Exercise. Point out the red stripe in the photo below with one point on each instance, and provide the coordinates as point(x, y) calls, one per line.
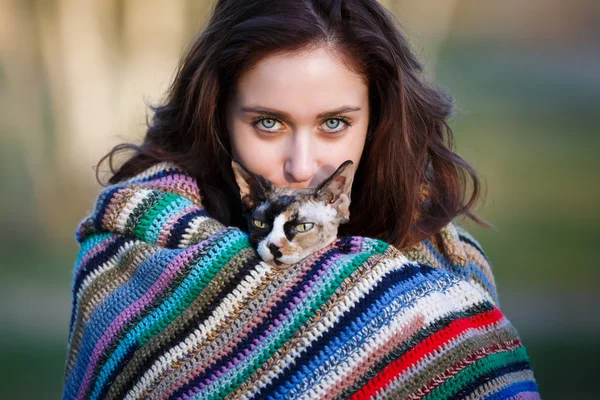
point(483, 352)
point(423, 349)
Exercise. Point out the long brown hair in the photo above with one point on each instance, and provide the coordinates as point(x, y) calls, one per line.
point(409, 183)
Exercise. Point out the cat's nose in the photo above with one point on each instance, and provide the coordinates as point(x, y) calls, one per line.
point(274, 250)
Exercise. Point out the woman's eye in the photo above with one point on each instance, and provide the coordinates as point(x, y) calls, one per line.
point(258, 223)
point(304, 227)
point(267, 124)
point(337, 124)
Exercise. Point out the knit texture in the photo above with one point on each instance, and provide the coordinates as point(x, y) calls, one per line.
point(168, 303)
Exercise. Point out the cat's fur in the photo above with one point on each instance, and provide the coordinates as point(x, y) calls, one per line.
point(281, 210)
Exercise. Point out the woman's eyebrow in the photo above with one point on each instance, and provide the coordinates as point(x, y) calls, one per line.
point(285, 115)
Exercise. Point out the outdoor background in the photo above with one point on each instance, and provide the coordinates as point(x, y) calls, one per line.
point(74, 79)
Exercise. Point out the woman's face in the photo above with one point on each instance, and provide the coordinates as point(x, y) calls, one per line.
point(296, 117)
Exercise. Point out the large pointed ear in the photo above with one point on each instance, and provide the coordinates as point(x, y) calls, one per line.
point(253, 187)
point(336, 189)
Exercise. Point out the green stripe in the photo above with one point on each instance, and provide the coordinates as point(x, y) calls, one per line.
point(477, 369)
point(138, 212)
point(151, 213)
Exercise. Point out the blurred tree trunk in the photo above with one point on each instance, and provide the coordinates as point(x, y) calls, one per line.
point(426, 25)
point(21, 81)
point(154, 35)
point(80, 65)
point(102, 59)
point(24, 138)
point(78, 40)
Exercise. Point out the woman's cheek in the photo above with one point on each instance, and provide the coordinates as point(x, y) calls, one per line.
point(260, 156)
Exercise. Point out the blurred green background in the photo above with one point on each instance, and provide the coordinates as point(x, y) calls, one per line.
point(74, 79)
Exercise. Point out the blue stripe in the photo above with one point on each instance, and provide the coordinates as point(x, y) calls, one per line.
point(102, 205)
point(513, 390)
point(462, 272)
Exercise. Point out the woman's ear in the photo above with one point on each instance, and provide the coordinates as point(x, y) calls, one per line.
point(253, 187)
point(338, 186)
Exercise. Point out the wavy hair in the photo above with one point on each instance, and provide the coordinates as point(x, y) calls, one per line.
point(409, 183)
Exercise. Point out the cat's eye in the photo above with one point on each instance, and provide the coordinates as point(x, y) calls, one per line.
point(304, 227)
point(258, 223)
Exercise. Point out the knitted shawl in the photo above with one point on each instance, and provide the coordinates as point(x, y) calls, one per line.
point(168, 303)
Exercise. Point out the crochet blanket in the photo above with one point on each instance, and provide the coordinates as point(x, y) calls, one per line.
point(169, 303)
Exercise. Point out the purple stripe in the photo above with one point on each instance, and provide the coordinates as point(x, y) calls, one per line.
point(96, 249)
point(171, 181)
point(527, 396)
point(165, 231)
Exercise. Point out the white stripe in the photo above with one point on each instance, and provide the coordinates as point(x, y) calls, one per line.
point(131, 204)
point(502, 382)
point(105, 267)
point(194, 227)
point(151, 171)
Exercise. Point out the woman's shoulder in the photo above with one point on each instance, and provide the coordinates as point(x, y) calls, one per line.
point(145, 205)
point(454, 250)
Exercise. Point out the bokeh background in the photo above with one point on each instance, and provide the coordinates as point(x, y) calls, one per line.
point(75, 78)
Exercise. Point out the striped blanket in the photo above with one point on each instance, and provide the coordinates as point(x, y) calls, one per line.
point(168, 303)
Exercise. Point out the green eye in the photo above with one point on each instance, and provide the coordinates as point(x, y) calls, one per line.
point(258, 223)
point(304, 227)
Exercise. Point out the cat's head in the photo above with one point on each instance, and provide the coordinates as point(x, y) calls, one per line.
point(285, 224)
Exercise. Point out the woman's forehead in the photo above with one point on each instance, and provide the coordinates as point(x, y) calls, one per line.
point(302, 84)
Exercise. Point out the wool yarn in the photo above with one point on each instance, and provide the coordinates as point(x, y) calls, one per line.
point(168, 303)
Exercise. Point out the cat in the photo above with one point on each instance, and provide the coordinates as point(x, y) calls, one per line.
point(286, 225)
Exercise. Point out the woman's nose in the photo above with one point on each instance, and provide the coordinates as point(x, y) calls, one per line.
point(299, 171)
point(300, 164)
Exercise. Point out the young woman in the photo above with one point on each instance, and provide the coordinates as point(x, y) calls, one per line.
point(171, 301)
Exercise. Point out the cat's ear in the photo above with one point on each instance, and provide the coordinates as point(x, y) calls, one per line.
point(336, 189)
point(253, 187)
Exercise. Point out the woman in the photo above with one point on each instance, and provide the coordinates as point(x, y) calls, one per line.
point(171, 301)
